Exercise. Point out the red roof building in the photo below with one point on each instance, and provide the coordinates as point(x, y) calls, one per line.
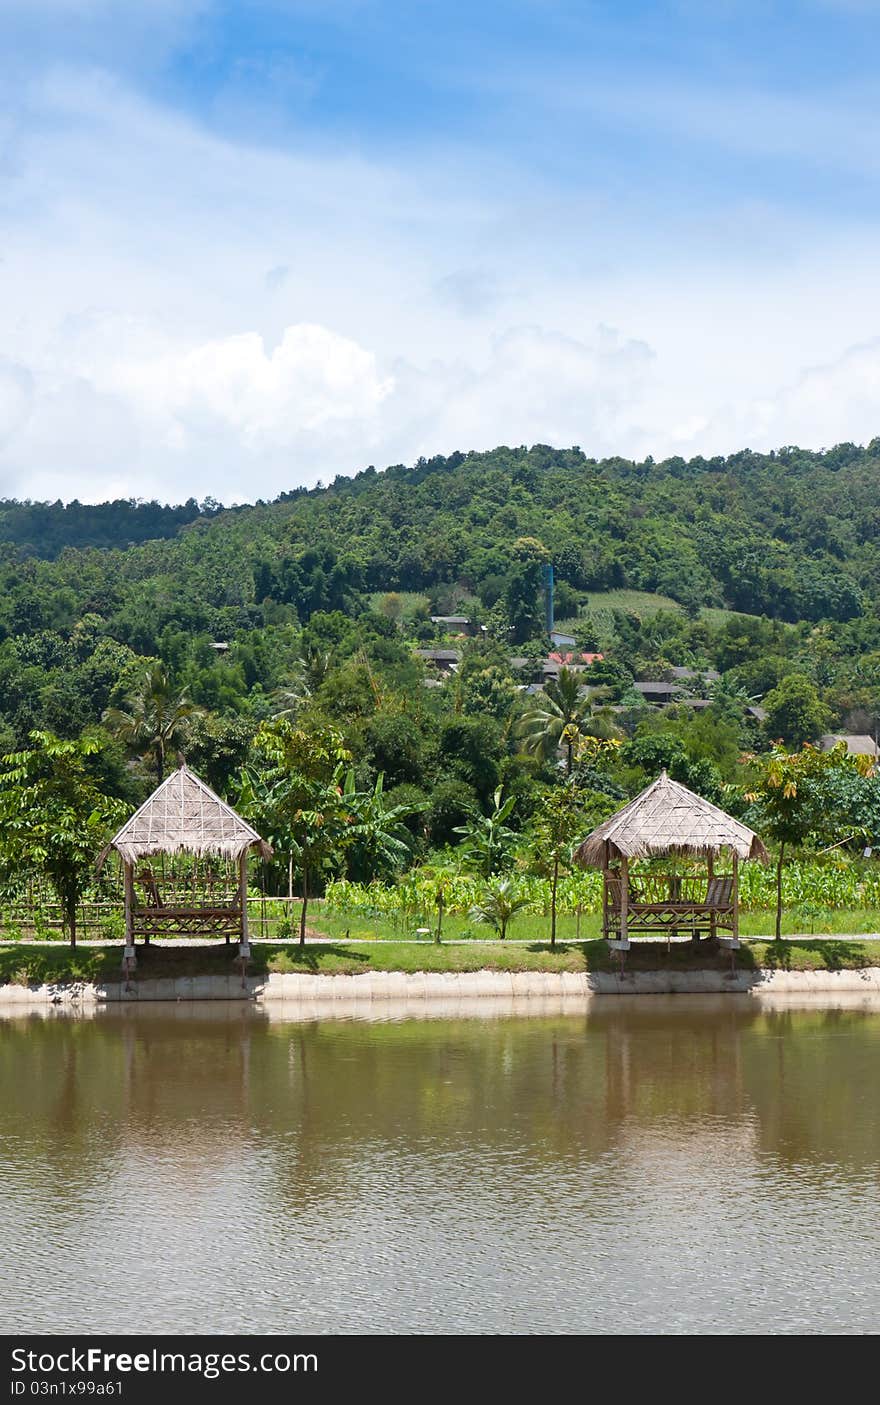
point(569, 660)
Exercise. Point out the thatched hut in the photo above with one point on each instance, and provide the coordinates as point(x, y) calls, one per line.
point(667, 819)
point(184, 816)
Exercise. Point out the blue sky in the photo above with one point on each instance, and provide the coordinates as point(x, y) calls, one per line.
point(248, 245)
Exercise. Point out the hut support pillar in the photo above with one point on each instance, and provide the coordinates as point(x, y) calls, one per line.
point(129, 960)
point(711, 872)
point(244, 949)
point(623, 944)
point(605, 894)
point(128, 889)
point(624, 897)
point(242, 898)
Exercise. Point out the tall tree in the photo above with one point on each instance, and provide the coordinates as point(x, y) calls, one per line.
point(795, 712)
point(54, 817)
point(523, 597)
point(294, 787)
point(799, 796)
point(558, 825)
point(557, 717)
point(155, 723)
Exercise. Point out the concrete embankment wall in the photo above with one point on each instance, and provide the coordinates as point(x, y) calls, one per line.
point(323, 991)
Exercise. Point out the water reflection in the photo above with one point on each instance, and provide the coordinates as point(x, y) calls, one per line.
point(640, 1165)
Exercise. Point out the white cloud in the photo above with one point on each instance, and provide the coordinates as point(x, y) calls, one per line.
point(825, 405)
point(470, 291)
point(535, 386)
point(114, 401)
point(187, 315)
point(16, 390)
point(312, 379)
point(182, 419)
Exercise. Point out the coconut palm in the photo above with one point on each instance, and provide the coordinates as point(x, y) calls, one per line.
point(155, 722)
point(557, 717)
point(501, 900)
point(287, 701)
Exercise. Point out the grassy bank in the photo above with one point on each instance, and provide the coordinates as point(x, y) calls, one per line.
point(25, 964)
point(529, 927)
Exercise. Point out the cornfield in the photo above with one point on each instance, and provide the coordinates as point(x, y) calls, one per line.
point(808, 886)
point(806, 883)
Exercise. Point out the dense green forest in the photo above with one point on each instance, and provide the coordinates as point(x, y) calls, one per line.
point(770, 563)
point(45, 529)
point(757, 577)
point(790, 534)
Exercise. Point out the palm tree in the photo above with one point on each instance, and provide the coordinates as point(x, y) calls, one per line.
point(600, 727)
point(500, 901)
point(557, 717)
point(156, 719)
point(287, 701)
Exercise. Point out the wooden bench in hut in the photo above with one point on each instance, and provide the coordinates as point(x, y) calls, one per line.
point(666, 820)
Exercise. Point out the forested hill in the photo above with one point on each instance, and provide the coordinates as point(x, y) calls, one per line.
point(793, 535)
point(46, 528)
point(763, 569)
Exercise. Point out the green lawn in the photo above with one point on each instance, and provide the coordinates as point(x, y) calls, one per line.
point(37, 964)
point(644, 603)
point(411, 602)
point(635, 602)
point(530, 927)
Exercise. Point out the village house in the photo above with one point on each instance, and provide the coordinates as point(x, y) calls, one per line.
point(444, 660)
point(857, 744)
point(560, 659)
point(659, 694)
point(695, 675)
point(457, 624)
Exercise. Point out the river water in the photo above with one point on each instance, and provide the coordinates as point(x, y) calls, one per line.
point(644, 1164)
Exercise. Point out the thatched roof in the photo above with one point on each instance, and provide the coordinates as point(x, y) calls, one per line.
point(667, 818)
point(183, 815)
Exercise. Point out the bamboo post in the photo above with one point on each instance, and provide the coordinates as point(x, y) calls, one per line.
point(128, 882)
point(605, 903)
point(712, 923)
point(242, 888)
point(605, 893)
point(134, 896)
point(244, 949)
point(736, 897)
point(128, 957)
point(624, 896)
